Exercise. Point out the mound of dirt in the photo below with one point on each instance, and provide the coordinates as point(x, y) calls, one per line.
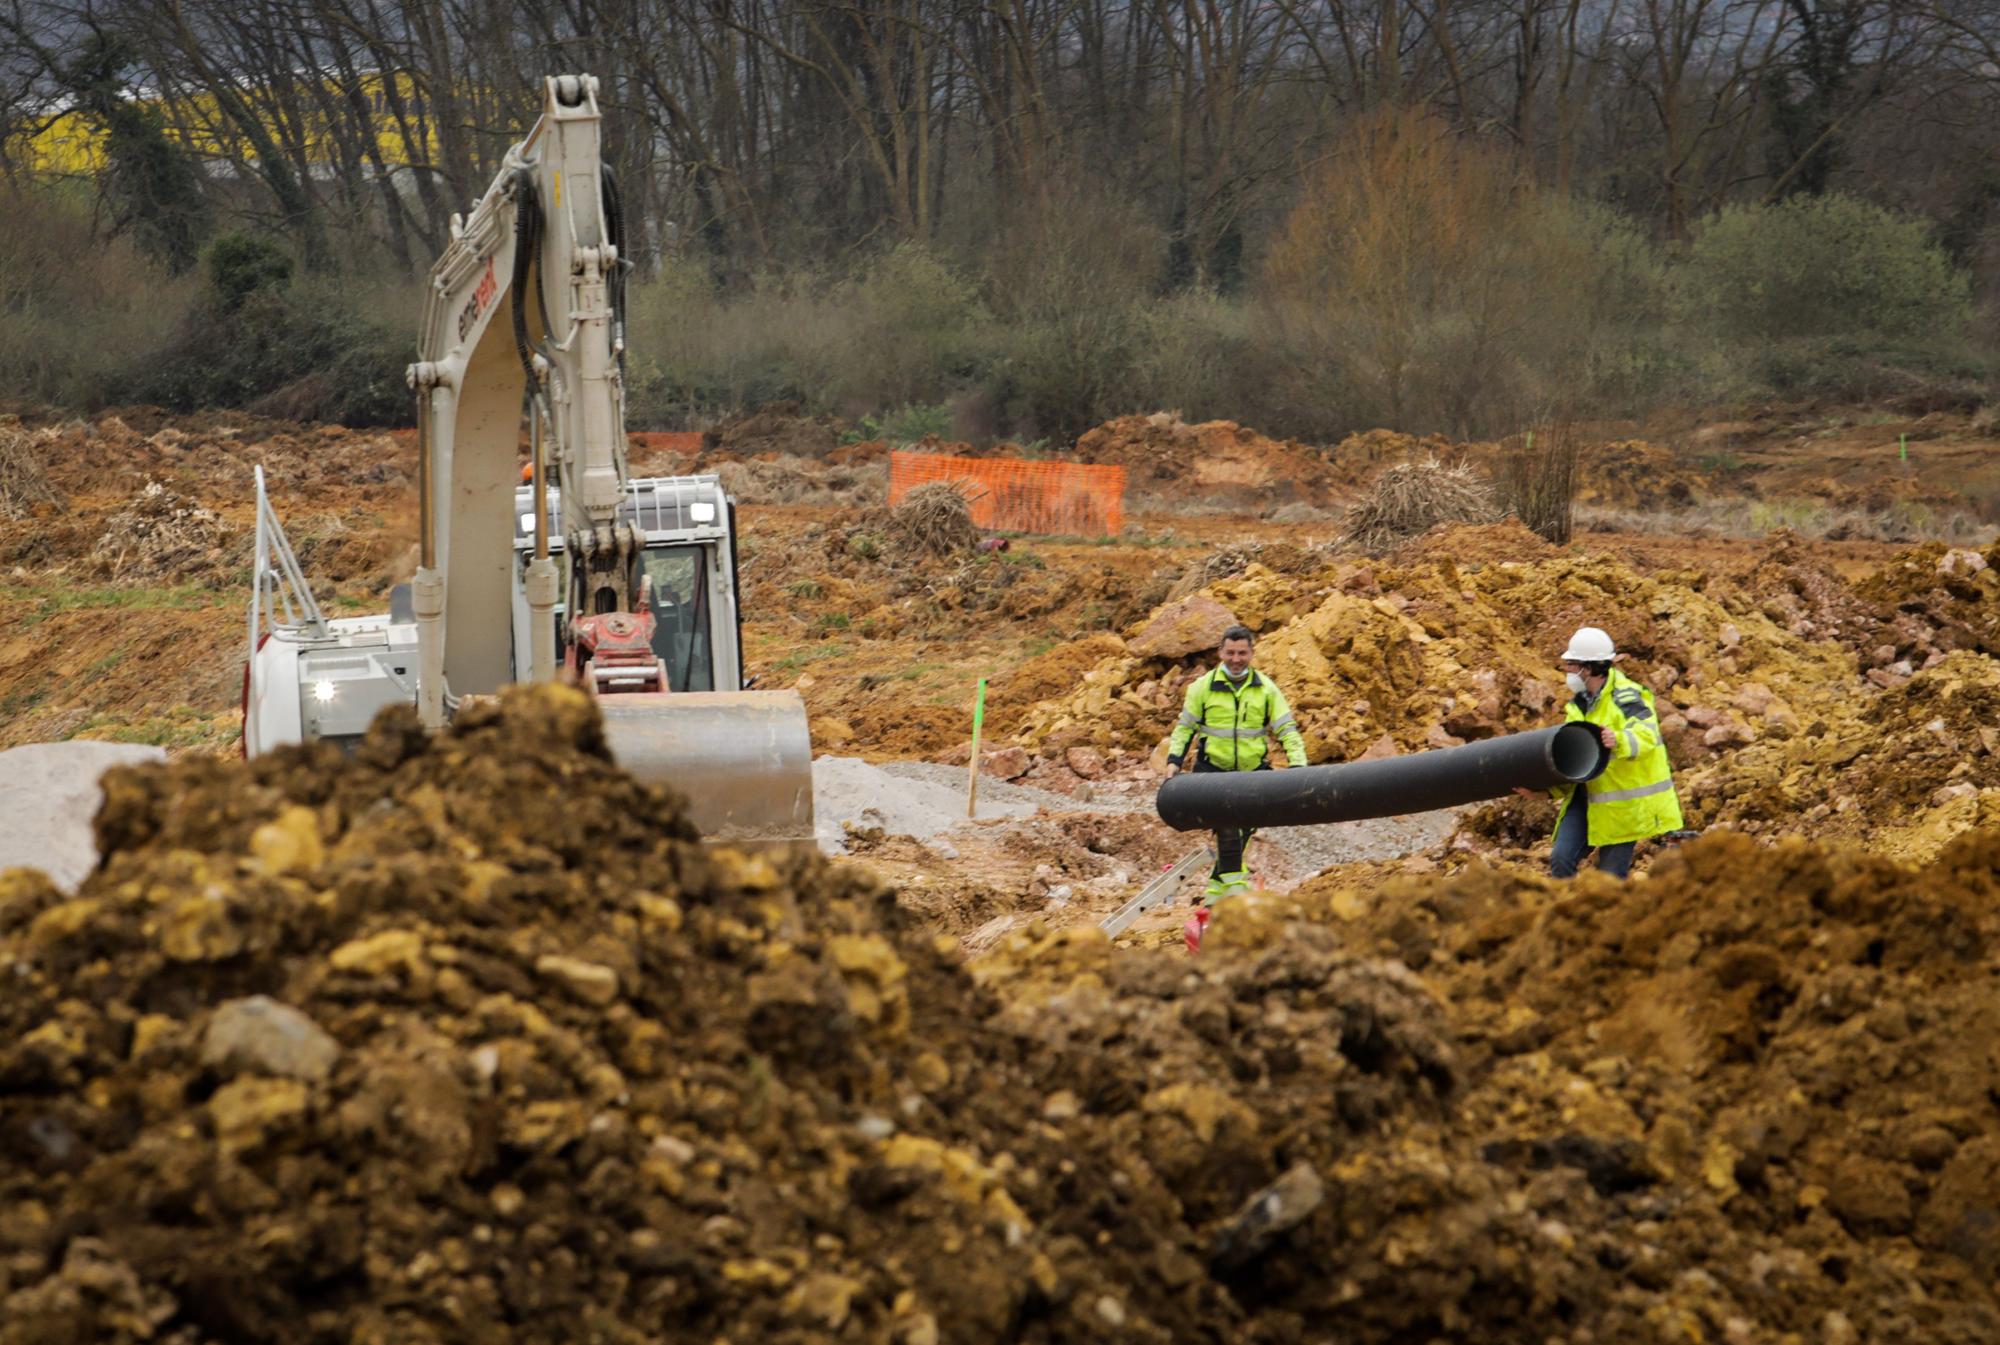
point(1053, 672)
point(1426, 654)
point(1229, 561)
point(1372, 448)
point(798, 480)
point(1903, 772)
point(1171, 463)
point(161, 534)
point(364, 1049)
point(1477, 544)
point(1939, 598)
point(213, 457)
point(1782, 1049)
point(1805, 597)
point(781, 429)
point(1635, 474)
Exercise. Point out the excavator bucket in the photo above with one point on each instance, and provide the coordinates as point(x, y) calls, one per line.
point(742, 758)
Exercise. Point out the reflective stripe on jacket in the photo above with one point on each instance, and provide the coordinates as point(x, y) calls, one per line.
point(1634, 798)
point(1235, 722)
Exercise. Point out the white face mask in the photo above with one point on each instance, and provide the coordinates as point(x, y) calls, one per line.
point(1576, 683)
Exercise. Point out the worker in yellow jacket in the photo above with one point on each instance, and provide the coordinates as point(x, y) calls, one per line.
point(1235, 711)
point(1634, 798)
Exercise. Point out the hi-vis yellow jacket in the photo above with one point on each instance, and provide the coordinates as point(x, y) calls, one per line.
point(1236, 721)
point(1634, 798)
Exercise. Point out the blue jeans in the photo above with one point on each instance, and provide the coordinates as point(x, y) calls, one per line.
point(1573, 843)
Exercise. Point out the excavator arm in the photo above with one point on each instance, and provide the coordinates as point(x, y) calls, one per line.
point(543, 247)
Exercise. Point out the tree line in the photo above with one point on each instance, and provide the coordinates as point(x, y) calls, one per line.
point(764, 131)
point(1024, 216)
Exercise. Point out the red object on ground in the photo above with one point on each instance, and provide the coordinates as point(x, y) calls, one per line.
point(1196, 925)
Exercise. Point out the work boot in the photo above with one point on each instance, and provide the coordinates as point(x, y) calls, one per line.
point(1233, 885)
point(1215, 890)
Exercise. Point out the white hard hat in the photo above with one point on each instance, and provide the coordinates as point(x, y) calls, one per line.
point(1589, 645)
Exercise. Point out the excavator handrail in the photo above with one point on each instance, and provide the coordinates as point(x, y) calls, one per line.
point(276, 580)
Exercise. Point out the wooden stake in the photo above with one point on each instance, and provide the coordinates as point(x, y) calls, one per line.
point(978, 720)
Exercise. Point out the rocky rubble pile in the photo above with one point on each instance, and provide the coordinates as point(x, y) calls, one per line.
point(1934, 599)
point(1787, 696)
point(364, 1050)
point(1775, 1060)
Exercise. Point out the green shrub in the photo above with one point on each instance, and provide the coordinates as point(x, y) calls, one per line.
point(902, 330)
point(300, 353)
point(1069, 277)
point(242, 264)
point(1944, 372)
point(1817, 267)
point(68, 327)
point(1197, 357)
point(907, 424)
point(694, 354)
point(905, 329)
point(1424, 281)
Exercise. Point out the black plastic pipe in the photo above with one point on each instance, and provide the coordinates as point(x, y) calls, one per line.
point(1308, 795)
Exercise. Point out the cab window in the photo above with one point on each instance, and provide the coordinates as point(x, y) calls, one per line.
point(681, 615)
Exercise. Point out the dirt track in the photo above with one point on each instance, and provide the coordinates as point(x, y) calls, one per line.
point(514, 1081)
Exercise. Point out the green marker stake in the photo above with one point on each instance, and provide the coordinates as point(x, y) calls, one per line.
point(978, 721)
point(1903, 440)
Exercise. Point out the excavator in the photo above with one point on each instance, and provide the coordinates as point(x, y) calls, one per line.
point(625, 586)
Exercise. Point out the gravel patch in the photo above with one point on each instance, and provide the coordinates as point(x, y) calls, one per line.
point(848, 791)
point(1314, 848)
point(953, 777)
point(924, 799)
point(48, 800)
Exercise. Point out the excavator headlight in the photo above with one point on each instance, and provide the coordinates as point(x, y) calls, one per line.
point(323, 690)
point(701, 511)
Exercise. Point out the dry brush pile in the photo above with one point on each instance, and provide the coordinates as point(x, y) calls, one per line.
point(1412, 497)
point(24, 481)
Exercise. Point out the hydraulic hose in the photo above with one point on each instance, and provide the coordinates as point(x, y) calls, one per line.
point(1308, 795)
point(614, 213)
point(527, 246)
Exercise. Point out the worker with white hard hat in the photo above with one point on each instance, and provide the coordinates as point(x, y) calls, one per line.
point(1633, 798)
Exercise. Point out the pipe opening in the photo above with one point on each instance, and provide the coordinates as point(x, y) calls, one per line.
point(1576, 753)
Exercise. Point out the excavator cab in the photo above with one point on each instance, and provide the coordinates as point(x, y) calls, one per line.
point(743, 759)
point(689, 563)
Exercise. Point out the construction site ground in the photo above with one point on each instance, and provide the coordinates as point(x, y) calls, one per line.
point(1412, 1090)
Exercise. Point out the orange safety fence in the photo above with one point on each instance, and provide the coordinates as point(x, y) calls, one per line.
point(1010, 495)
